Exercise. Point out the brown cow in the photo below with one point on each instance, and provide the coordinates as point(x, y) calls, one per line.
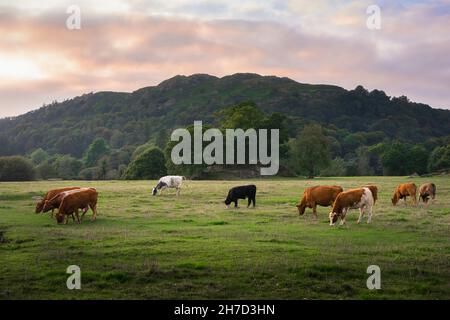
point(319, 195)
point(75, 200)
point(404, 190)
point(360, 198)
point(426, 191)
point(55, 202)
point(50, 194)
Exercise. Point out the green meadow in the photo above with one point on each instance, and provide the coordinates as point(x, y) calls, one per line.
point(192, 247)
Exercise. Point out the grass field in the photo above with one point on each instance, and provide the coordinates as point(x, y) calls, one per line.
point(144, 247)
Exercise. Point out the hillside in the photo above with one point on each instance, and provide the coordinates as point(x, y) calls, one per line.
point(133, 118)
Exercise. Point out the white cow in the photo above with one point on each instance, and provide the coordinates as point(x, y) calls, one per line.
point(169, 182)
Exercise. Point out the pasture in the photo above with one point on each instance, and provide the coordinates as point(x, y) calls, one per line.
point(192, 247)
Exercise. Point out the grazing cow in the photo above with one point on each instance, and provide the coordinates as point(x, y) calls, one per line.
point(169, 182)
point(241, 192)
point(360, 198)
point(319, 195)
point(50, 194)
point(55, 202)
point(404, 190)
point(75, 200)
point(426, 191)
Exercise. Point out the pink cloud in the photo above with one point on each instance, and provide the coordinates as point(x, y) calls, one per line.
point(124, 53)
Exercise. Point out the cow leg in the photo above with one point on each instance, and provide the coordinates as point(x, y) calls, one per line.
point(78, 216)
point(67, 219)
point(315, 211)
point(254, 201)
point(178, 192)
point(94, 210)
point(249, 202)
point(235, 203)
point(369, 214)
point(344, 213)
point(361, 214)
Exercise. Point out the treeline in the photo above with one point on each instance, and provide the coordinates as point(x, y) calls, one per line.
point(306, 149)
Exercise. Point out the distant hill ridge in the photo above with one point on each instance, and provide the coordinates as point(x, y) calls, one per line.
point(133, 118)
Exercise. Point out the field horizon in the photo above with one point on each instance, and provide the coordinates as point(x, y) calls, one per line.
point(192, 247)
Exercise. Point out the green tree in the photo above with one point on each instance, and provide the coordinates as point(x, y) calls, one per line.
point(39, 156)
point(310, 151)
point(395, 159)
point(337, 168)
point(67, 167)
point(150, 164)
point(439, 158)
point(46, 171)
point(95, 151)
point(244, 116)
point(418, 160)
point(16, 168)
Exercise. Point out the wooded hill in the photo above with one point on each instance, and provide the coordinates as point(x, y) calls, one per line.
point(150, 113)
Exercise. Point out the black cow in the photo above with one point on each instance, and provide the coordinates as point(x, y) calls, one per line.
point(241, 192)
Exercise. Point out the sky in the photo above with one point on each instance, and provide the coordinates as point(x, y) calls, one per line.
point(123, 45)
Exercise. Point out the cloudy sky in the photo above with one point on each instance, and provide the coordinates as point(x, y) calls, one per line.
point(127, 44)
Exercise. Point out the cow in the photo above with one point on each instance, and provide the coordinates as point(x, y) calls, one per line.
point(241, 192)
point(426, 191)
point(318, 195)
point(404, 190)
point(55, 202)
point(169, 182)
point(50, 194)
point(75, 200)
point(360, 198)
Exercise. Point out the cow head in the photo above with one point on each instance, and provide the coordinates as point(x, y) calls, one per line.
point(154, 191)
point(301, 208)
point(39, 206)
point(394, 199)
point(333, 218)
point(59, 218)
point(227, 202)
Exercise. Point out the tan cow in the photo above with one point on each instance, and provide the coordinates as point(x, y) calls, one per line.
point(360, 198)
point(49, 195)
point(404, 190)
point(319, 195)
point(75, 200)
point(426, 191)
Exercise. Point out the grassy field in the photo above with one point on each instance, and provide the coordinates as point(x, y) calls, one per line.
point(144, 247)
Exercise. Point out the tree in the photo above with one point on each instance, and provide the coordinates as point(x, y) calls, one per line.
point(439, 158)
point(244, 116)
point(310, 151)
point(337, 168)
point(418, 160)
point(16, 168)
point(95, 151)
point(45, 171)
point(68, 167)
point(394, 159)
point(150, 164)
point(39, 156)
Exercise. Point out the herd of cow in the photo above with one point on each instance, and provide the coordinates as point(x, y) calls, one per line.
point(70, 200)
